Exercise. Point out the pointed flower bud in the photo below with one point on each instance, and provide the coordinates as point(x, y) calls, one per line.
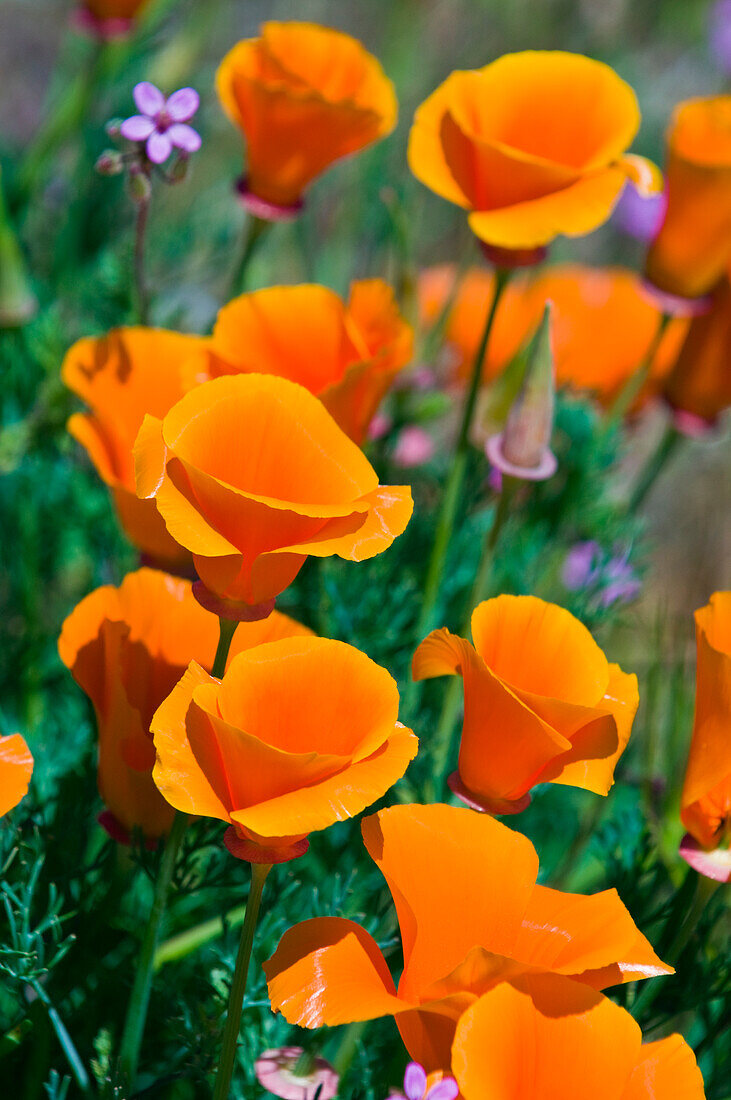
point(522, 449)
point(110, 163)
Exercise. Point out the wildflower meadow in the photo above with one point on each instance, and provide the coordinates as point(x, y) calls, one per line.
point(365, 550)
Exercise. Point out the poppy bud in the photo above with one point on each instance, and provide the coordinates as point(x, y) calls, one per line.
point(522, 448)
point(110, 163)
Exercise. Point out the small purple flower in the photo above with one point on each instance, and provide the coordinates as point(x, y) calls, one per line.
point(612, 580)
point(720, 34)
point(640, 216)
point(580, 566)
point(161, 122)
point(414, 447)
point(619, 583)
point(416, 1081)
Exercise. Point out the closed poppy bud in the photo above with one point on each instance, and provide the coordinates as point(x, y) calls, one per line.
point(347, 354)
point(542, 703)
point(121, 377)
point(522, 448)
point(303, 96)
point(603, 321)
point(442, 863)
point(706, 799)
point(533, 145)
point(699, 386)
point(693, 248)
point(299, 734)
point(126, 648)
point(251, 474)
point(577, 1042)
point(16, 768)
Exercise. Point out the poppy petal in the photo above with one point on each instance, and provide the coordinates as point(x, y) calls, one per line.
point(591, 936)
point(337, 798)
point(330, 971)
point(566, 663)
point(574, 211)
point(492, 766)
point(645, 176)
point(666, 1070)
point(428, 856)
point(177, 773)
point(16, 768)
point(544, 1036)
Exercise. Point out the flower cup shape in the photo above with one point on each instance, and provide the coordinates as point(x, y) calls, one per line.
point(545, 1037)
point(303, 97)
point(252, 474)
point(16, 768)
point(440, 862)
point(162, 123)
point(533, 145)
point(298, 734)
point(706, 800)
point(602, 324)
point(347, 354)
point(699, 385)
point(542, 703)
point(126, 648)
point(121, 377)
point(693, 248)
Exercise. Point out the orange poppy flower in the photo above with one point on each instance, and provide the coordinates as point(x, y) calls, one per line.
point(304, 96)
point(700, 382)
point(533, 145)
point(602, 323)
point(252, 474)
point(693, 248)
point(445, 868)
point(121, 377)
point(346, 354)
point(300, 733)
point(16, 768)
point(541, 1037)
point(706, 800)
point(126, 648)
point(542, 703)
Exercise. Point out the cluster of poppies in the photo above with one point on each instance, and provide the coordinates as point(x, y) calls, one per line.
point(232, 458)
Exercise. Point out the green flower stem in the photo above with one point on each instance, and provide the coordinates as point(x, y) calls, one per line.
point(67, 1045)
point(686, 921)
point(654, 466)
point(134, 1024)
point(141, 290)
point(453, 490)
point(255, 230)
point(259, 872)
point(628, 394)
point(453, 694)
point(227, 629)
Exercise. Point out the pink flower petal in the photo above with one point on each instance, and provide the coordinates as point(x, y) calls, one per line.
point(414, 1081)
point(182, 105)
point(159, 147)
point(184, 137)
point(715, 864)
point(446, 1089)
point(137, 128)
point(148, 98)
